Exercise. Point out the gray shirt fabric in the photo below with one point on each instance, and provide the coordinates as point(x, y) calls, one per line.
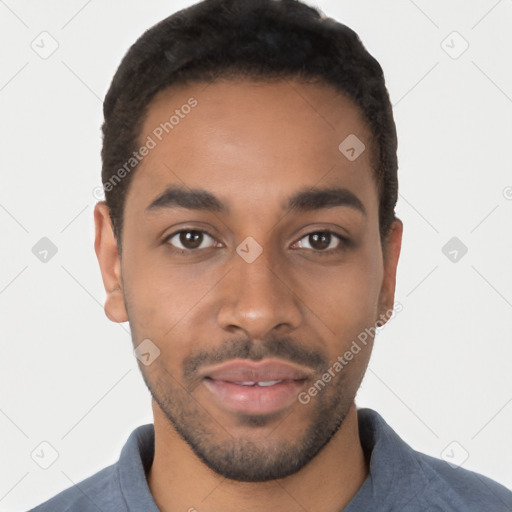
point(400, 480)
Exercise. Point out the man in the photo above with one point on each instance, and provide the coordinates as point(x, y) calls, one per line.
point(249, 237)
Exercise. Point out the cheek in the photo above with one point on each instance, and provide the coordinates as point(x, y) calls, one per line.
point(344, 297)
point(162, 299)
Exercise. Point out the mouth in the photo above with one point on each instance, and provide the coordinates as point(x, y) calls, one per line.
point(261, 397)
point(255, 388)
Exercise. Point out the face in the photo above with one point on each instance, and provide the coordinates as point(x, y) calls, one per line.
point(251, 262)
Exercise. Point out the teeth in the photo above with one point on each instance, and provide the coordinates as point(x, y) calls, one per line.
point(259, 383)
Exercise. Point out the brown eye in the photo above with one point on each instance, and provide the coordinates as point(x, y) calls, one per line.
point(190, 239)
point(320, 241)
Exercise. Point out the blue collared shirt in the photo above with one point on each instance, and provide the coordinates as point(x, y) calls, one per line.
point(399, 480)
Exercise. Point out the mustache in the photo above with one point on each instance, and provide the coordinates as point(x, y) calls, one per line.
point(245, 348)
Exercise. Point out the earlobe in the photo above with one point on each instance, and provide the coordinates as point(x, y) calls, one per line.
point(392, 247)
point(105, 246)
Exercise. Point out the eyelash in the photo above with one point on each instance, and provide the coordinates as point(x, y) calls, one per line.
point(344, 242)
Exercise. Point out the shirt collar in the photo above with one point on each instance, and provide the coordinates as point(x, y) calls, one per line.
point(395, 475)
point(134, 463)
point(393, 465)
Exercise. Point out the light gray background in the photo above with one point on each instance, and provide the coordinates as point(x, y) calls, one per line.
point(441, 368)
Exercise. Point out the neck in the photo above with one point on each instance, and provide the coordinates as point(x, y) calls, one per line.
point(179, 481)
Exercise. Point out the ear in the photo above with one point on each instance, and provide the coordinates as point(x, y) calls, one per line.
point(391, 253)
point(105, 245)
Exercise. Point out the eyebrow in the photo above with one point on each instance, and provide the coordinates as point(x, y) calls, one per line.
point(307, 199)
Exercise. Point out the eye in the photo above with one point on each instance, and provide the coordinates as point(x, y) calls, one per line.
point(189, 239)
point(323, 241)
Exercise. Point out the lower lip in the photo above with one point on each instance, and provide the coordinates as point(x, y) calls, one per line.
point(255, 399)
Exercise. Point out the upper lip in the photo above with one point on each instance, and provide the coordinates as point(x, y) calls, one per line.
point(248, 371)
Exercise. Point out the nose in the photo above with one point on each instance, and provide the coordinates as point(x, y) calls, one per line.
point(258, 298)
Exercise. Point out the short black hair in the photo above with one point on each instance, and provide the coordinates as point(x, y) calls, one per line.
point(248, 39)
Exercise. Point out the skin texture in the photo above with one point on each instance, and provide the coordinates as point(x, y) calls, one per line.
point(252, 145)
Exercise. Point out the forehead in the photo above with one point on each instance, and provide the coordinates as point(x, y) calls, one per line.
point(253, 142)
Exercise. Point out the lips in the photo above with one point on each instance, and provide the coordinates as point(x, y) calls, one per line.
point(255, 388)
point(251, 372)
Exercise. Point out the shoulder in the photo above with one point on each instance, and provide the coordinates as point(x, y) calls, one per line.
point(456, 488)
point(114, 486)
point(99, 491)
point(411, 481)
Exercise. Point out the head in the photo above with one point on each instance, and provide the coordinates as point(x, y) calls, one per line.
point(250, 173)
